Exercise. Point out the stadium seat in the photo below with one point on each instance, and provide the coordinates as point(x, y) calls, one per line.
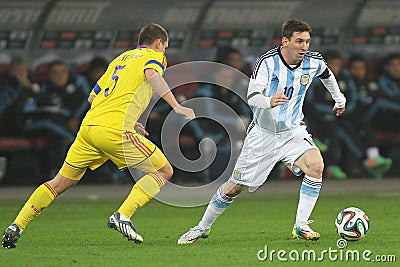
point(15, 144)
point(24, 164)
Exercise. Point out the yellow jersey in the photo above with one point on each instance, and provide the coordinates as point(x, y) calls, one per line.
point(122, 93)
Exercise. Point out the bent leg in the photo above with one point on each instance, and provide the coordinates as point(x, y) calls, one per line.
point(221, 200)
point(147, 187)
point(42, 197)
point(312, 165)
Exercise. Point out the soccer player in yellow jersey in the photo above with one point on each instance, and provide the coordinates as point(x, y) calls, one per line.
point(110, 131)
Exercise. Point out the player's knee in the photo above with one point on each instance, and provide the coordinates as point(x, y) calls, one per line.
point(233, 191)
point(167, 171)
point(315, 169)
point(59, 183)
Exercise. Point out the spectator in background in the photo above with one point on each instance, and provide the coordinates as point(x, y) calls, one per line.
point(366, 88)
point(232, 57)
point(352, 133)
point(385, 111)
point(61, 104)
point(17, 96)
point(206, 128)
point(229, 56)
point(356, 132)
point(228, 90)
point(65, 92)
point(226, 95)
point(96, 68)
point(322, 121)
point(232, 94)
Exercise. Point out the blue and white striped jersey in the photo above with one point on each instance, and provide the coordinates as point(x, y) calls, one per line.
point(272, 75)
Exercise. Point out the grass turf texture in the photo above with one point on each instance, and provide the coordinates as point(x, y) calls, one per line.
point(74, 233)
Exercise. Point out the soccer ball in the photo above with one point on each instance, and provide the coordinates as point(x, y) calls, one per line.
point(352, 224)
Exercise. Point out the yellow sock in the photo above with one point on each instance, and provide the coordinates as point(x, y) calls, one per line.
point(40, 199)
point(142, 192)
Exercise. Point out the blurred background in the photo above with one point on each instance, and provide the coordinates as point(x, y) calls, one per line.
point(52, 53)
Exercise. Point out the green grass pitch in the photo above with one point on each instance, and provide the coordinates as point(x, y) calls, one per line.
point(74, 233)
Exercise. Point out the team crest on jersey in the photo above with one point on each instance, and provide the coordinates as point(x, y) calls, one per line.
point(304, 79)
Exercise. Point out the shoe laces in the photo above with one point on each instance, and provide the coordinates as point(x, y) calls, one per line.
point(194, 232)
point(120, 221)
point(307, 228)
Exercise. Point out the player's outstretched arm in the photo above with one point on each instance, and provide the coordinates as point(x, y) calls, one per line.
point(329, 81)
point(188, 113)
point(160, 86)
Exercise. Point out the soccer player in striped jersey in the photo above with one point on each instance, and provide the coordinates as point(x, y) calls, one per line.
point(276, 94)
point(110, 131)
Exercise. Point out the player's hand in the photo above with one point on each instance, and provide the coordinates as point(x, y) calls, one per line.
point(23, 79)
point(139, 128)
point(338, 111)
point(278, 99)
point(188, 113)
point(91, 98)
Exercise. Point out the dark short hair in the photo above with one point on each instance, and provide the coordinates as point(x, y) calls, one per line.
point(355, 58)
point(332, 54)
point(151, 32)
point(294, 25)
point(15, 63)
point(223, 53)
point(97, 63)
point(392, 56)
point(56, 62)
point(387, 60)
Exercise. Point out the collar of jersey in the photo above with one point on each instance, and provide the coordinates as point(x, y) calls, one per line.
point(284, 62)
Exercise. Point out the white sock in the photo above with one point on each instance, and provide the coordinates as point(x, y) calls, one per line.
point(309, 192)
point(372, 152)
point(216, 207)
point(123, 218)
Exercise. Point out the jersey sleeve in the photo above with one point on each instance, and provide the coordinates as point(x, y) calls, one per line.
point(258, 84)
point(157, 61)
point(328, 79)
point(322, 68)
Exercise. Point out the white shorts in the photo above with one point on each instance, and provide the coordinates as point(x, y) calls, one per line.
point(262, 149)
